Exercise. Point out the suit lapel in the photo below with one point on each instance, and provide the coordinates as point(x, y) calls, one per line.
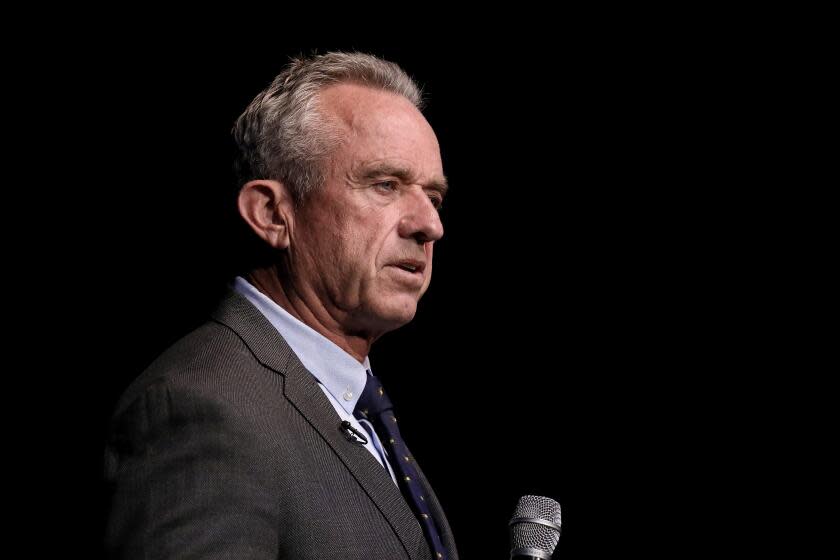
point(314, 406)
point(302, 391)
point(438, 515)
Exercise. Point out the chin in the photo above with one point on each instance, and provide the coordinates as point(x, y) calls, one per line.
point(397, 313)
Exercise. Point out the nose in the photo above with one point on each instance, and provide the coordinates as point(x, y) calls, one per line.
point(420, 219)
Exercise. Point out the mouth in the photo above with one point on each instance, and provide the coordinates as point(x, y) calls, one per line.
point(411, 265)
point(411, 271)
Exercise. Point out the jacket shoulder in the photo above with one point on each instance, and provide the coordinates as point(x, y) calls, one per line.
point(212, 359)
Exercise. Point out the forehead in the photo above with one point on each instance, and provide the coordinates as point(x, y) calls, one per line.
point(381, 126)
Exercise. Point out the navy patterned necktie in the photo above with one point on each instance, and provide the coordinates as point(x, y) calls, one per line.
point(375, 407)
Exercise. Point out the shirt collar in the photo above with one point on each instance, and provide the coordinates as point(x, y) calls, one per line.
point(342, 375)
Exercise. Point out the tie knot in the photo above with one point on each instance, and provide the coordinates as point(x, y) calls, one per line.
point(373, 401)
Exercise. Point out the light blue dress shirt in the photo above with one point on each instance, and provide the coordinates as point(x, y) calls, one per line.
point(340, 375)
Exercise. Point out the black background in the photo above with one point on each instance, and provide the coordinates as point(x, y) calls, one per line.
point(574, 331)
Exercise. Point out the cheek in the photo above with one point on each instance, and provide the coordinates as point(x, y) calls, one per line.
point(356, 259)
point(363, 247)
point(378, 247)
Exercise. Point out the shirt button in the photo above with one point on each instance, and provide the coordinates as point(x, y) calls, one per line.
point(348, 395)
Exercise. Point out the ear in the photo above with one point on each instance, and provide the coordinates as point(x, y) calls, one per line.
point(266, 206)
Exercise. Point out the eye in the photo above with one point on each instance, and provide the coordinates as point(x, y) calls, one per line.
point(437, 200)
point(385, 185)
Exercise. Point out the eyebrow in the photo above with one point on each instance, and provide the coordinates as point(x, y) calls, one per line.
point(404, 174)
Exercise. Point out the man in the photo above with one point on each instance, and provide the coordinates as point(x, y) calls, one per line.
point(246, 439)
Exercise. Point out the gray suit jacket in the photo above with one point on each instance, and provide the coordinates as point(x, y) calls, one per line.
point(225, 447)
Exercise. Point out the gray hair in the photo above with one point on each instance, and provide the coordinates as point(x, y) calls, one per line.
point(283, 136)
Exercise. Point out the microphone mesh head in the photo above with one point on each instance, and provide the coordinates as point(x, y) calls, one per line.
point(530, 535)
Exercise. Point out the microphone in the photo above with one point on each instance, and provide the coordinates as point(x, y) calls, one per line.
point(351, 433)
point(534, 528)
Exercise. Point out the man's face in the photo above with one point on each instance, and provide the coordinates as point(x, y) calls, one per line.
point(363, 243)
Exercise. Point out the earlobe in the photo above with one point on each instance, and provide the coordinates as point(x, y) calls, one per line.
point(266, 207)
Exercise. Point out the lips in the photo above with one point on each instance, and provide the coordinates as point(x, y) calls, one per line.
point(410, 271)
point(411, 265)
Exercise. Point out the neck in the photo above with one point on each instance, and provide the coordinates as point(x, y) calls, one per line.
point(309, 310)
